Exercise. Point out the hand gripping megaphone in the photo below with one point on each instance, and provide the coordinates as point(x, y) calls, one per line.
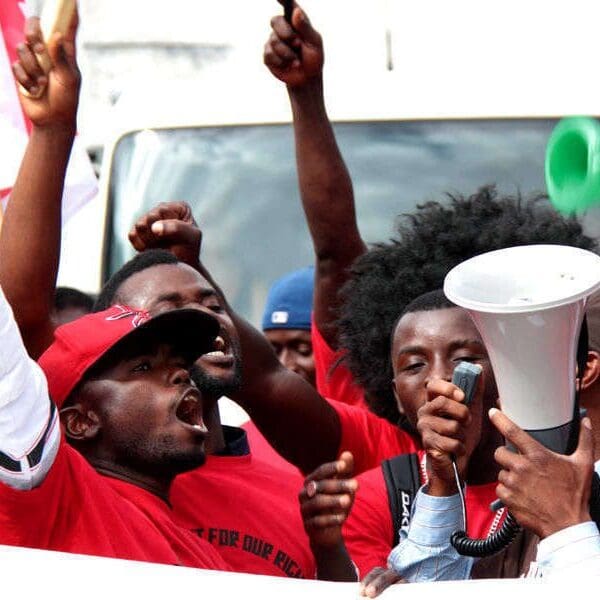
point(528, 304)
point(572, 165)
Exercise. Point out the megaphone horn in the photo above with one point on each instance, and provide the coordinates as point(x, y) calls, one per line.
point(528, 303)
point(572, 166)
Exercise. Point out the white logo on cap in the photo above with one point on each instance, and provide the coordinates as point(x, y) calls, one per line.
point(123, 312)
point(280, 317)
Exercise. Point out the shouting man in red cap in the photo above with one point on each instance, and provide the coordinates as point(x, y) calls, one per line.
point(133, 419)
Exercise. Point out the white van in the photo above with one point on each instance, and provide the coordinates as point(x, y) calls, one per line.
point(471, 100)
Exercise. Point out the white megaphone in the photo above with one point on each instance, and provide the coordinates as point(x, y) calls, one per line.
point(528, 303)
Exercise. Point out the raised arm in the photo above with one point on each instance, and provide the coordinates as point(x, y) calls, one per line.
point(30, 236)
point(296, 421)
point(295, 56)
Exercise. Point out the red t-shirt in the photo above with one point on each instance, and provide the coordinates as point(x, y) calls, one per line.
point(334, 380)
point(250, 512)
point(370, 438)
point(369, 533)
point(78, 510)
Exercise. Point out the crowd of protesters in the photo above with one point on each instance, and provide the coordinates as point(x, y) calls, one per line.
point(111, 442)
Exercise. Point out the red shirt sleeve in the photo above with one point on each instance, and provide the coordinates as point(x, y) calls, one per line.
point(334, 380)
point(368, 530)
point(370, 438)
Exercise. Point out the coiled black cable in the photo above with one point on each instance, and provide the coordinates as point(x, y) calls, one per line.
point(479, 548)
point(467, 546)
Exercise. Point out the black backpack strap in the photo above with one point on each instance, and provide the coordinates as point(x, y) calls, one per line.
point(402, 481)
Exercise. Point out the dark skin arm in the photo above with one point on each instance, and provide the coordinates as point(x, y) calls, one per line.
point(545, 491)
point(325, 503)
point(289, 412)
point(295, 56)
point(298, 423)
point(30, 236)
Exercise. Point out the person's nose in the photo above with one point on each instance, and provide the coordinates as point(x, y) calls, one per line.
point(179, 376)
point(441, 369)
point(288, 360)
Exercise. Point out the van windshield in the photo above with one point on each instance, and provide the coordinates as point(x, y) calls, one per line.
point(241, 182)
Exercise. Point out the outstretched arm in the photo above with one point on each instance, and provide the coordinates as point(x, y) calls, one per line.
point(289, 412)
point(296, 421)
point(294, 54)
point(30, 236)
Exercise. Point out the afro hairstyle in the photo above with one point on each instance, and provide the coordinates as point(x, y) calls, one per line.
point(427, 244)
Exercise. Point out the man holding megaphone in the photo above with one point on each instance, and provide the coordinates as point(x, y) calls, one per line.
point(528, 304)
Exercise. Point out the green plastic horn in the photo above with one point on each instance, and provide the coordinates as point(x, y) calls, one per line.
point(573, 164)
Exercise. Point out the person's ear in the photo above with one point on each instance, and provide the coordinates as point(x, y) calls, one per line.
point(592, 370)
point(80, 423)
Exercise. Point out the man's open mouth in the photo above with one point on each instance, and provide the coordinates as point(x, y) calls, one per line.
point(221, 352)
point(189, 409)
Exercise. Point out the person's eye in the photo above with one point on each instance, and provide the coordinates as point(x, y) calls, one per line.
point(467, 358)
point(414, 367)
point(142, 366)
point(211, 303)
point(305, 349)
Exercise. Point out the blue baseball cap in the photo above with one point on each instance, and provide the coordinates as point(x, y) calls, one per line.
point(289, 302)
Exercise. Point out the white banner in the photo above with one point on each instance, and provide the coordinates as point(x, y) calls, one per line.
point(58, 576)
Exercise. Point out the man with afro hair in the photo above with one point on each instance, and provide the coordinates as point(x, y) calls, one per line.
point(427, 244)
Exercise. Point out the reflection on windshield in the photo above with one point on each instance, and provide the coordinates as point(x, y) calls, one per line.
point(241, 183)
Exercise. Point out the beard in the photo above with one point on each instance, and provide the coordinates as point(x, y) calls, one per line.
point(216, 387)
point(163, 456)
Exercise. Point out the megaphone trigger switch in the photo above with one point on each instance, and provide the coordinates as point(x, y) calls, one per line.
point(466, 376)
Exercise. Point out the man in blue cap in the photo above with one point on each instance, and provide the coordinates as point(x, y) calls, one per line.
point(286, 321)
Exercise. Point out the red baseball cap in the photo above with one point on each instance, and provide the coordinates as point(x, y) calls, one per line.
point(80, 344)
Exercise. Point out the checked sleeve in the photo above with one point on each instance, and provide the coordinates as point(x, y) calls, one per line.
point(425, 553)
